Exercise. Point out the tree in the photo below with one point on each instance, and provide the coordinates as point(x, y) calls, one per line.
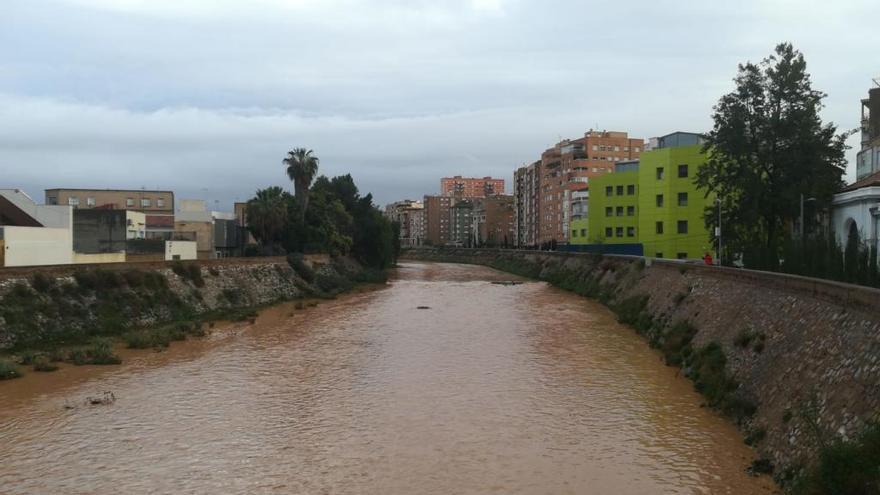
point(302, 166)
point(768, 146)
point(267, 215)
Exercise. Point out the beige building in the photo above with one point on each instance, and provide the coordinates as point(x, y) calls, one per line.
point(157, 206)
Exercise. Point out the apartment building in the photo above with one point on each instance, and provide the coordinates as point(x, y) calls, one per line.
point(461, 221)
point(410, 215)
point(526, 214)
point(436, 219)
point(471, 187)
point(566, 172)
point(493, 221)
point(653, 203)
point(157, 206)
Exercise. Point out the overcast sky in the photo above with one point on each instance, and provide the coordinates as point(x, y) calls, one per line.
point(205, 96)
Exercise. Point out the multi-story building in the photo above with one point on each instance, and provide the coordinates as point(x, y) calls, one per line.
point(461, 219)
point(410, 215)
point(216, 233)
point(471, 187)
point(436, 219)
point(566, 172)
point(157, 206)
point(526, 213)
point(493, 221)
point(614, 209)
point(653, 203)
point(868, 157)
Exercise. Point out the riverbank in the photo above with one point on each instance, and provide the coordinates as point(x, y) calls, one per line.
point(79, 315)
point(793, 361)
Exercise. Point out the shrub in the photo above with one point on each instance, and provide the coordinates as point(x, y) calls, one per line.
point(43, 364)
point(676, 344)
point(189, 271)
point(371, 276)
point(100, 351)
point(681, 296)
point(755, 435)
point(26, 358)
point(743, 338)
point(845, 467)
point(233, 295)
point(332, 283)
point(8, 370)
point(42, 283)
point(709, 373)
point(213, 271)
point(298, 263)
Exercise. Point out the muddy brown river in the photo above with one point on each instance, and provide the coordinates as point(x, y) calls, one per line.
point(493, 389)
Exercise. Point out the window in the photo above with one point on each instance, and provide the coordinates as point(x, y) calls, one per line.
point(583, 232)
point(609, 211)
point(681, 256)
point(145, 203)
point(630, 231)
point(620, 211)
point(630, 211)
point(52, 200)
point(618, 231)
point(658, 255)
point(129, 201)
point(636, 149)
point(658, 228)
point(595, 148)
point(160, 203)
point(574, 233)
point(626, 148)
point(90, 201)
point(620, 190)
point(682, 170)
point(630, 190)
point(609, 191)
point(608, 232)
point(659, 173)
point(682, 199)
point(682, 226)
point(73, 201)
point(617, 148)
point(659, 201)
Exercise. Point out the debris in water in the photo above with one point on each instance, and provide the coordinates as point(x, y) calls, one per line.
point(107, 399)
point(506, 282)
point(423, 307)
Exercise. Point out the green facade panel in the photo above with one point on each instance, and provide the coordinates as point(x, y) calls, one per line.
point(614, 209)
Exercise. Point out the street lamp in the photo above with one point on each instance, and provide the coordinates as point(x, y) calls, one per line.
point(802, 214)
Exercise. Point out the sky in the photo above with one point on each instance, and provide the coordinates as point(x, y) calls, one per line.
point(205, 97)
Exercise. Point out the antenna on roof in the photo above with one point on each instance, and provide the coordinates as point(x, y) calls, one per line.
point(876, 81)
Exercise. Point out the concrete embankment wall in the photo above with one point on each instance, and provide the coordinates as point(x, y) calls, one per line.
point(65, 304)
point(811, 363)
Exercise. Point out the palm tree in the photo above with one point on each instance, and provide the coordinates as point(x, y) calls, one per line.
point(267, 215)
point(301, 168)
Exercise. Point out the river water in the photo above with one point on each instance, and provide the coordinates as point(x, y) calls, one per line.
point(493, 389)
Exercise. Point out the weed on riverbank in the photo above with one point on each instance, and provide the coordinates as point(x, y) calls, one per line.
point(845, 467)
point(8, 370)
point(100, 351)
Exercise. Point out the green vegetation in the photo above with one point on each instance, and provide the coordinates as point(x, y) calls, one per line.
point(8, 370)
point(768, 149)
point(189, 271)
point(44, 364)
point(845, 467)
point(298, 263)
point(161, 337)
point(99, 351)
point(328, 216)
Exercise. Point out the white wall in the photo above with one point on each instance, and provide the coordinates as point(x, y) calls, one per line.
point(31, 246)
point(855, 206)
point(186, 250)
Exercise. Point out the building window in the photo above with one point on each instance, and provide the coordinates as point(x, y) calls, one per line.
point(618, 231)
point(90, 201)
point(659, 201)
point(682, 226)
point(658, 255)
point(630, 211)
point(626, 148)
point(620, 211)
point(574, 233)
point(658, 228)
point(620, 190)
point(617, 148)
point(608, 232)
point(160, 203)
point(631, 190)
point(636, 149)
point(659, 173)
point(681, 256)
point(630, 231)
point(595, 148)
point(583, 232)
point(129, 201)
point(146, 203)
point(682, 170)
point(609, 191)
point(609, 211)
point(682, 199)
point(73, 201)
point(51, 200)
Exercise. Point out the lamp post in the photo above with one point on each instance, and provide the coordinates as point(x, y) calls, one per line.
point(718, 232)
point(803, 231)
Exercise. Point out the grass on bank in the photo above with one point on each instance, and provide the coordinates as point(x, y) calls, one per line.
point(8, 370)
point(845, 467)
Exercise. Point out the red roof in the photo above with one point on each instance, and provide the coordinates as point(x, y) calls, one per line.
point(869, 181)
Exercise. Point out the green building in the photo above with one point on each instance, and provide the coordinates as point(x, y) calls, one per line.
point(653, 202)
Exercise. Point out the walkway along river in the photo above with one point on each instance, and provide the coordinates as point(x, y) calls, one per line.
point(492, 389)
